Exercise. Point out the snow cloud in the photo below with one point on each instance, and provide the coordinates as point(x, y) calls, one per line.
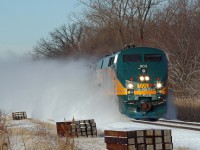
point(50, 89)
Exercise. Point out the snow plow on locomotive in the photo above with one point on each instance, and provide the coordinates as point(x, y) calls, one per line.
point(138, 77)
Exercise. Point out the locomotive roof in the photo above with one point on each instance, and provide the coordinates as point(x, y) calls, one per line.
point(141, 49)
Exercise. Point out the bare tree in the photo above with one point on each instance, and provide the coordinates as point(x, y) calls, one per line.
point(177, 32)
point(127, 17)
point(63, 41)
point(110, 24)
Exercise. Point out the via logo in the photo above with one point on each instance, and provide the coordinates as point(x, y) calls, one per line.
point(142, 85)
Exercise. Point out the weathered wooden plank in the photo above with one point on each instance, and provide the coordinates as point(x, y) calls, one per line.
point(140, 140)
point(63, 128)
point(116, 147)
point(78, 129)
point(116, 140)
point(140, 133)
point(128, 134)
point(158, 140)
point(91, 121)
point(167, 133)
point(120, 147)
point(131, 141)
point(83, 133)
point(168, 146)
point(86, 121)
point(88, 125)
point(141, 147)
point(159, 146)
point(149, 132)
point(88, 132)
point(94, 133)
point(93, 124)
point(93, 128)
point(115, 133)
point(167, 139)
point(158, 132)
point(82, 125)
point(149, 140)
point(132, 147)
point(83, 129)
point(149, 147)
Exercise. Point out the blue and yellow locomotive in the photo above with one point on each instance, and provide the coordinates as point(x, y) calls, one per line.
point(138, 77)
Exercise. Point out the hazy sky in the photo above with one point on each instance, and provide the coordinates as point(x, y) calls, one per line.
point(24, 22)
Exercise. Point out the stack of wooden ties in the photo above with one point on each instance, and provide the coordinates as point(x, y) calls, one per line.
point(19, 115)
point(86, 128)
point(138, 139)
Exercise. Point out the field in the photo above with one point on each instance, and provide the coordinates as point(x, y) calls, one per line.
point(33, 134)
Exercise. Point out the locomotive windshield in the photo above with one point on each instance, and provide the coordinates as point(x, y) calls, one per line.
point(132, 58)
point(152, 57)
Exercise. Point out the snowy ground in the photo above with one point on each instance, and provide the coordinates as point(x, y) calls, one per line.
point(181, 138)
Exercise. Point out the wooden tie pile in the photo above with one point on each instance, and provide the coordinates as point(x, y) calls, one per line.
point(19, 115)
point(85, 128)
point(138, 140)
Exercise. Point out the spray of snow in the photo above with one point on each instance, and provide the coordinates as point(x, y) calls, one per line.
point(55, 89)
point(50, 89)
point(171, 108)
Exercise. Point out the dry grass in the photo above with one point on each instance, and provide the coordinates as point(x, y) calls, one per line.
point(37, 135)
point(4, 138)
point(188, 109)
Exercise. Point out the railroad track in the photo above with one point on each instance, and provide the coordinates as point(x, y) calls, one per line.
point(172, 124)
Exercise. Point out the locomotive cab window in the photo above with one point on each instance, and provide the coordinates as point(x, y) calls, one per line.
point(111, 61)
point(102, 64)
point(132, 58)
point(152, 57)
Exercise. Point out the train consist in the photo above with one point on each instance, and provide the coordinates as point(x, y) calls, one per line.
point(138, 77)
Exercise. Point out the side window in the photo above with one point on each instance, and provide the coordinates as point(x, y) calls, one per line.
point(102, 64)
point(111, 60)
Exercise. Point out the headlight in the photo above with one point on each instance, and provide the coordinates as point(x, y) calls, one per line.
point(129, 84)
point(147, 78)
point(141, 78)
point(158, 85)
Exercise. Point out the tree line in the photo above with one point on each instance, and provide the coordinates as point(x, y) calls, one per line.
point(105, 26)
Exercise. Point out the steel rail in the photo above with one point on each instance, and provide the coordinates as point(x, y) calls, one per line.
point(166, 125)
point(180, 122)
